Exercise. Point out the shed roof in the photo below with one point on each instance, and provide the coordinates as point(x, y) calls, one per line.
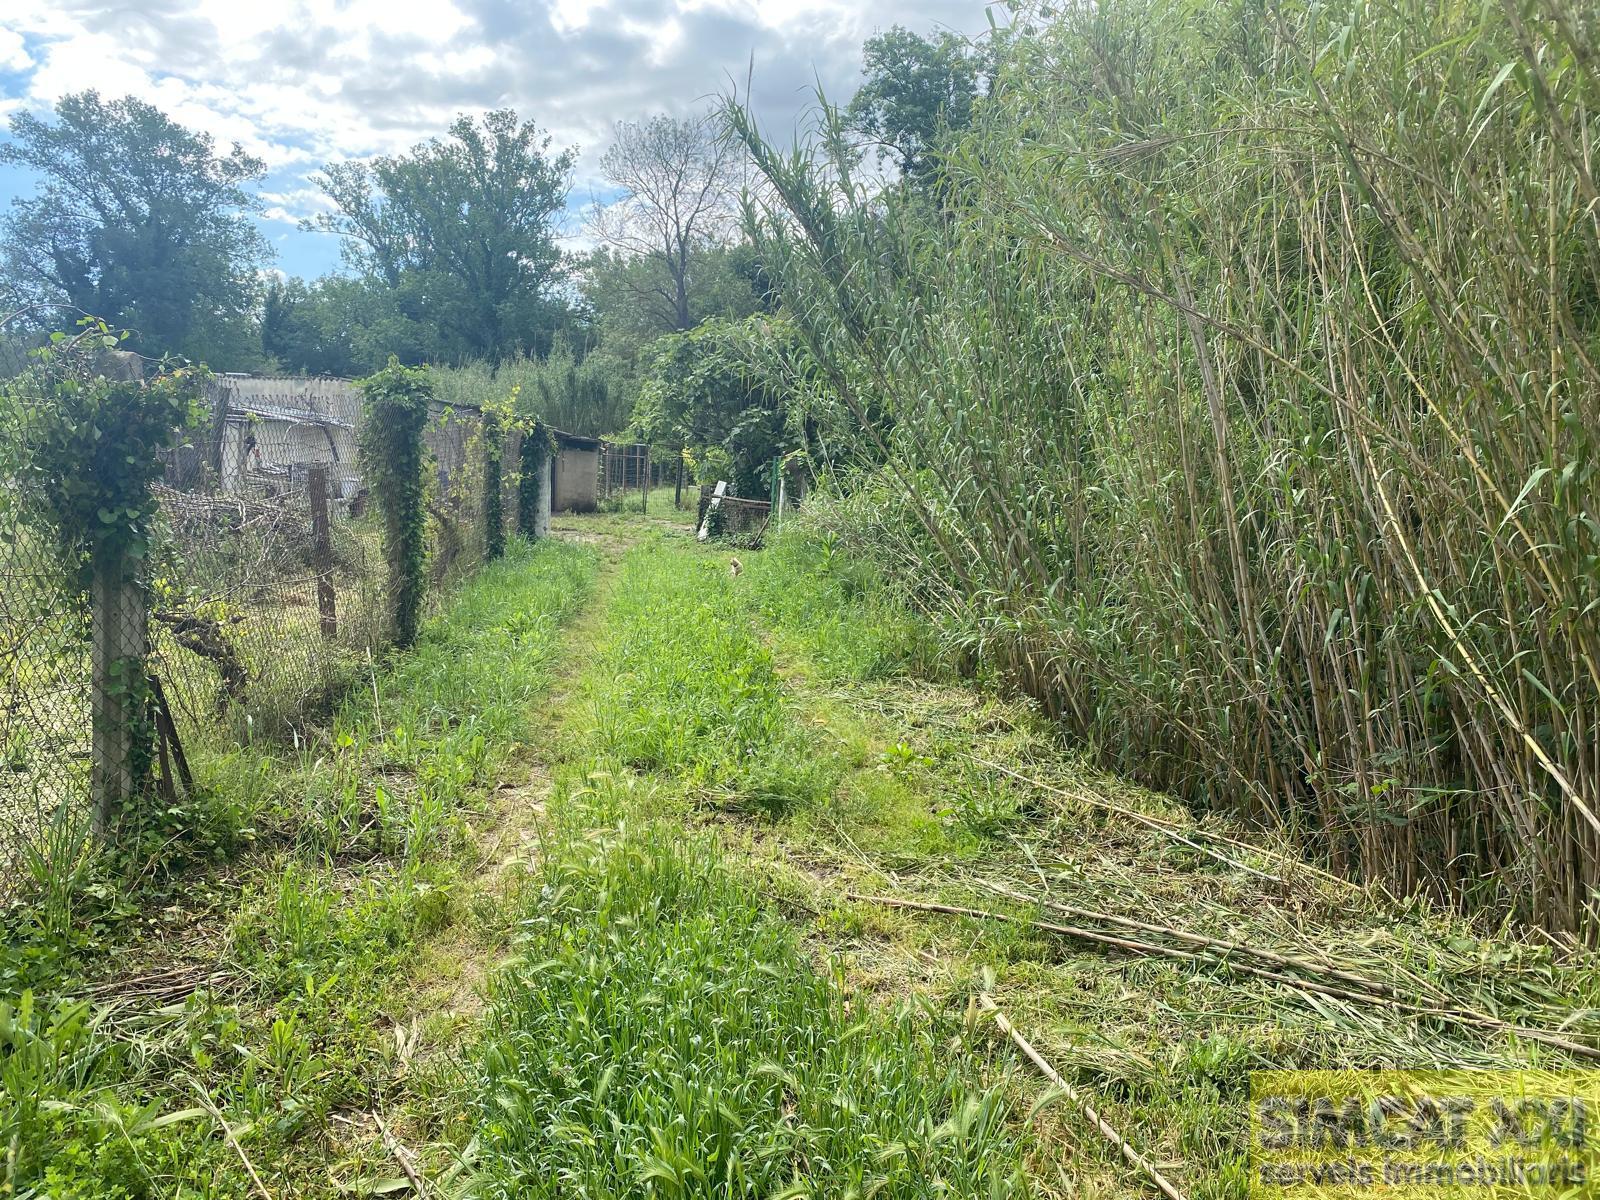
point(574, 441)
point(243, 409)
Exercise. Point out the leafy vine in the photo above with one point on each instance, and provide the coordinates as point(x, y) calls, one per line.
point(538, 444)
point(392, 452)
point(494, 526)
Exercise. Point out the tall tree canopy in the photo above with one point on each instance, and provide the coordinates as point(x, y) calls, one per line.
point(917, 88)
point(677, 179)
point(462, 232)
point(138, 221)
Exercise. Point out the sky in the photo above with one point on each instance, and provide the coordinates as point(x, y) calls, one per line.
point(308, 82)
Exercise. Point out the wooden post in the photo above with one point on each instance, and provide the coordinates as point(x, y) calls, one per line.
point(644, 483)
point(322, 547)
point(117, 675)
point(677, 489)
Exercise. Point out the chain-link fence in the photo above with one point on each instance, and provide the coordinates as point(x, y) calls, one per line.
point(266, 585)
point(625, 470)
point(264, 591)
point(45, 666)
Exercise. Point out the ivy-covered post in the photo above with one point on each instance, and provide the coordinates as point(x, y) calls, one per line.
point(395, 412)
point(533, 489)
point(494, 517)
point(97, 448)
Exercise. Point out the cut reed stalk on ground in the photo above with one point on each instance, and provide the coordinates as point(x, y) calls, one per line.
point(1362, 995)
point(1104, 1127)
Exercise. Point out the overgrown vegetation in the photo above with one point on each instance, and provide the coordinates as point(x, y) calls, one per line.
point(396, 409)
point(1237, 401)
point(969, 800)
point(84, 449)
point(727, 392)
point(269, 1003)
point(493, 432)
point(1208, 405)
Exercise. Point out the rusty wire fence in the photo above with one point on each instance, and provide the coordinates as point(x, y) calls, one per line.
point(625, 475)
point(264, 595)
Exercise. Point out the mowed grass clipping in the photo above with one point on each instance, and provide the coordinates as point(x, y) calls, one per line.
point(684, 687)
point(661, 1033)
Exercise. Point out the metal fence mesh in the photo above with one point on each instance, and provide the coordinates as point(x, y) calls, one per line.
point(624, 468)
point(45, 747)
point(731, 517)
point(265, 591)
point(456, 540)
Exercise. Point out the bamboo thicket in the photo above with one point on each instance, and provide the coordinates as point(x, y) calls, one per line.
point(1236, 395)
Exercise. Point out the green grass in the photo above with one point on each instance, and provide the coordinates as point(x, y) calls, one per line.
point(661, 1028)
point(362, 849)
point(833, 610)
point(663, 1033)
point(684, 687)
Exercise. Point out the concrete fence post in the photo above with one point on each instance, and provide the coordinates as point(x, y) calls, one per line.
point(322, 548)
point(120, 728)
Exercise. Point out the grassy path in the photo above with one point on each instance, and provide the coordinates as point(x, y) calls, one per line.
point(763, 775)
point(647, 876)
point(239, 1029)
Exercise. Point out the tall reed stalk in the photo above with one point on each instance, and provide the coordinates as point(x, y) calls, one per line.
point(1238, 399)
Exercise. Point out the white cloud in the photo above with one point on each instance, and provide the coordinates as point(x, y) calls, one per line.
point(311, 81)
point(13, 53)
point(295, 205)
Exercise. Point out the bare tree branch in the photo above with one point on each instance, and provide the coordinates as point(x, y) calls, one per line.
point(678, 181)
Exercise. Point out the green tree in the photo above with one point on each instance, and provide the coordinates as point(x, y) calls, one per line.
point(626, 312)
point(139, 222)
point(462, 232)
point(337, 325)
point(626, 300)
point(917, 89)
point(720, 391)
